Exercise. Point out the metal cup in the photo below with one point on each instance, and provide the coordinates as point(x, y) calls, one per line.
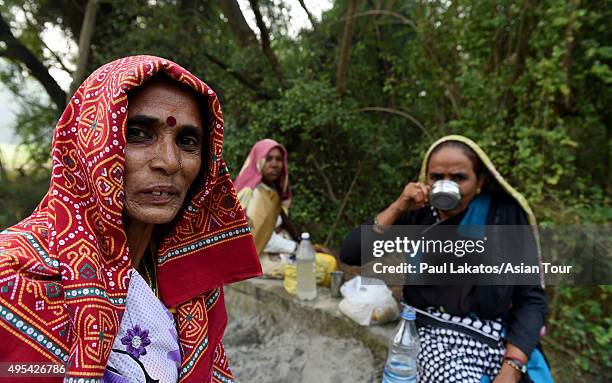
point(336, 282)
point(445, 195)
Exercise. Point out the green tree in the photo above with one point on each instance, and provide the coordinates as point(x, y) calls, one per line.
point(359, 97)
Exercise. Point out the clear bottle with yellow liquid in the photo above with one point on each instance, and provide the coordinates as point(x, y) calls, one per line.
point(306, 269)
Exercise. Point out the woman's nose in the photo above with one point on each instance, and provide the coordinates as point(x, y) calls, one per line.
point(166, 156)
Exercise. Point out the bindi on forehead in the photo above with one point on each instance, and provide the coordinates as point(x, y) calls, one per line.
point(171, 121)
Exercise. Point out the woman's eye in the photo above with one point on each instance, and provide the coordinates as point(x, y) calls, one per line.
point(459, 178)
point(435, 177)
point(134, 134)
point(190, 143)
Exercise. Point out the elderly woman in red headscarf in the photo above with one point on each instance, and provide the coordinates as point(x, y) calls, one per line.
point(139, 197)
point(265, 194)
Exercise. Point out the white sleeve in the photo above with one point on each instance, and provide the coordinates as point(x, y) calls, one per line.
point(280, 244)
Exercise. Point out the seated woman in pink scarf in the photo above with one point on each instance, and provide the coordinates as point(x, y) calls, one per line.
point(265, 194)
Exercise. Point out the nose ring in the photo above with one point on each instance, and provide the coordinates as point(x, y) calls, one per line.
point(180, 164)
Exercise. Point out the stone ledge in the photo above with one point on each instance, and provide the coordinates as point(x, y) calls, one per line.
point(261, 296)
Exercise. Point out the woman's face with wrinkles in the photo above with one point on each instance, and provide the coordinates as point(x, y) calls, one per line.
point(451, 163)
point(163, 153)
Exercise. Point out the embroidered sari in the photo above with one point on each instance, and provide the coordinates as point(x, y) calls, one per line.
point(65, 270)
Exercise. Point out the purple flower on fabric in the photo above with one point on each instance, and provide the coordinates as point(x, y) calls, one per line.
point(136, 340)
point(175, 356)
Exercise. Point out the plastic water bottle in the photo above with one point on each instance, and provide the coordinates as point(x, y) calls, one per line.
point(401, 366)
point(306, 269)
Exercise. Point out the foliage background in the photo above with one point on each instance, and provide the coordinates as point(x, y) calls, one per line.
point(357, 98)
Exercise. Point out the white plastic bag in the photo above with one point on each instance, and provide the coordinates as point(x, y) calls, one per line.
point(368, 301)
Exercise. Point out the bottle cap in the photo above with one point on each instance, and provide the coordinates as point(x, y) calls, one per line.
point(408, 313)
point(306, 235)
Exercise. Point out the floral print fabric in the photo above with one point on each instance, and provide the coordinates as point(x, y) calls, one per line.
point(146, 348)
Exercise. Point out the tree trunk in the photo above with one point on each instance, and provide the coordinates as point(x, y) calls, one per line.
point(265, 42)
point(243, 33)
point(18, 52)
point(527, 24)
point(345, 47)
point(87, 31)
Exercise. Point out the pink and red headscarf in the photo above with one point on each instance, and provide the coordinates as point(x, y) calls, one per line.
point(251, 173)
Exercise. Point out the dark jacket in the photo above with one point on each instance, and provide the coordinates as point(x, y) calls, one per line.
point(523, 308)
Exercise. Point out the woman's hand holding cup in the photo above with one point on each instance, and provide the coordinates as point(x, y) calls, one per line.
point(414, 196)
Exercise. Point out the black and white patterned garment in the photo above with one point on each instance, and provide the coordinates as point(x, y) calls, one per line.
point(458, 349)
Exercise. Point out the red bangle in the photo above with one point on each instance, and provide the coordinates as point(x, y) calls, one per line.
point(514, 357)
point(510, 356)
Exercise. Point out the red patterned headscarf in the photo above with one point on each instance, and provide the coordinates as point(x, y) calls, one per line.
point(250, 175)
point(64, 271)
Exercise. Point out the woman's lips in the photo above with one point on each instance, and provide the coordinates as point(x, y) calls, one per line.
point(160, 195)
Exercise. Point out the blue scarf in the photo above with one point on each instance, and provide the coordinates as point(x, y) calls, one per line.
point(473, 223)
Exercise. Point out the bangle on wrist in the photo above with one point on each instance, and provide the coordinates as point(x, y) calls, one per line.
point(516, 364)
point(515, 357)
point(377, 226)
